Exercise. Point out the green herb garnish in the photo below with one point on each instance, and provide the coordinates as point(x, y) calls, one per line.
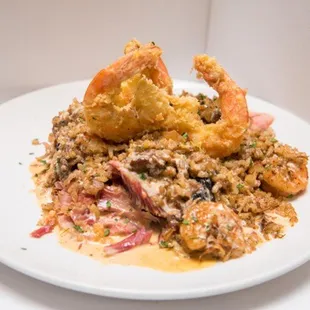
point(253, 144)
point(164, 244)
point(290, 196)
point(274, 140)
point(153, 43)
point(229, 227)
point(185, 222)
point(194, 219)
point(201, 97)
point(267, 167)
point(44, 162)
point(208, 227)
point(142, 176)
point(185, 135)
point(108, 204)
point(106, 232)
point(126, 221)
point(240, 186)
point(78, 228)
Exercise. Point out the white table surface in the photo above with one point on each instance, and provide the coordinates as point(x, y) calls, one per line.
point(20, 292)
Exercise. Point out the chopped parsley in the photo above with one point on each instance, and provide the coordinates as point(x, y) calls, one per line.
point(185, 135)
point(229, 227)
point(274, 140)
point(185, 222)
point(290, 196)
point(208, 226)
point(201, 97)
point(108, 204)
point(142, 176)
point(267, 167)
point(194, 219)
point(153, 43)
point(106, 232)
point(164, 244)
point(78, 228)
point(44, 162)
point(253, 145)
point(240, 186)
point(251, 162)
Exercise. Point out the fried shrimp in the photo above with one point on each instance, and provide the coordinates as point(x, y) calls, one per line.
point(224, 137)
point(212, 229)
point(159, 74)
point(132, 97)
point(121, 102)
point(286, 172)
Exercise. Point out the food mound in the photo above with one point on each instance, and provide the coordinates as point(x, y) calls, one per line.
point(134, 160)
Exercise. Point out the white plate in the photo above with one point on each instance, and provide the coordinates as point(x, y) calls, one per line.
point(29, 117)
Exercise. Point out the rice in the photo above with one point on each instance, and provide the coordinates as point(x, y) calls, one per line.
point(78, 161)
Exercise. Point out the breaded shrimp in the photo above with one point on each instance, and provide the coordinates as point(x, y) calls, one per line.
point(120, 102)
point(130, 97)
point(159, 74)
point(286, 173)
point(224, 137)
point(214, 229)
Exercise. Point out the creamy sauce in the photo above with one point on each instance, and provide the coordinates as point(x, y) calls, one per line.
point(150, 256)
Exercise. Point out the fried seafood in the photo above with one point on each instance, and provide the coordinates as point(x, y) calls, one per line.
point(286, 173)
point(127, 99)
point(214, 229)
point(224, 137)
point(158, 74)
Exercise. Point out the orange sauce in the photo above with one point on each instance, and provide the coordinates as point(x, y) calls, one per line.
point(151, 256)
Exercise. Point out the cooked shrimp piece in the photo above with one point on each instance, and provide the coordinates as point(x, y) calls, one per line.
point(260, 121)
point(121, 102)
point(159, 74)
point(286, 173)
point(224, 137)
point(212, 228)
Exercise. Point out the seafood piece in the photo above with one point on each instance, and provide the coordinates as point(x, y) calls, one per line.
point(38, 233)
point(140, 237)
point(286, 172)
point(212, 229)
point(159, 74)
point(224, 137)
point(260, 121)
point(121, 102)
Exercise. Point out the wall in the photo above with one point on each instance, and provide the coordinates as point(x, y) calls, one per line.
point(50, 42)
